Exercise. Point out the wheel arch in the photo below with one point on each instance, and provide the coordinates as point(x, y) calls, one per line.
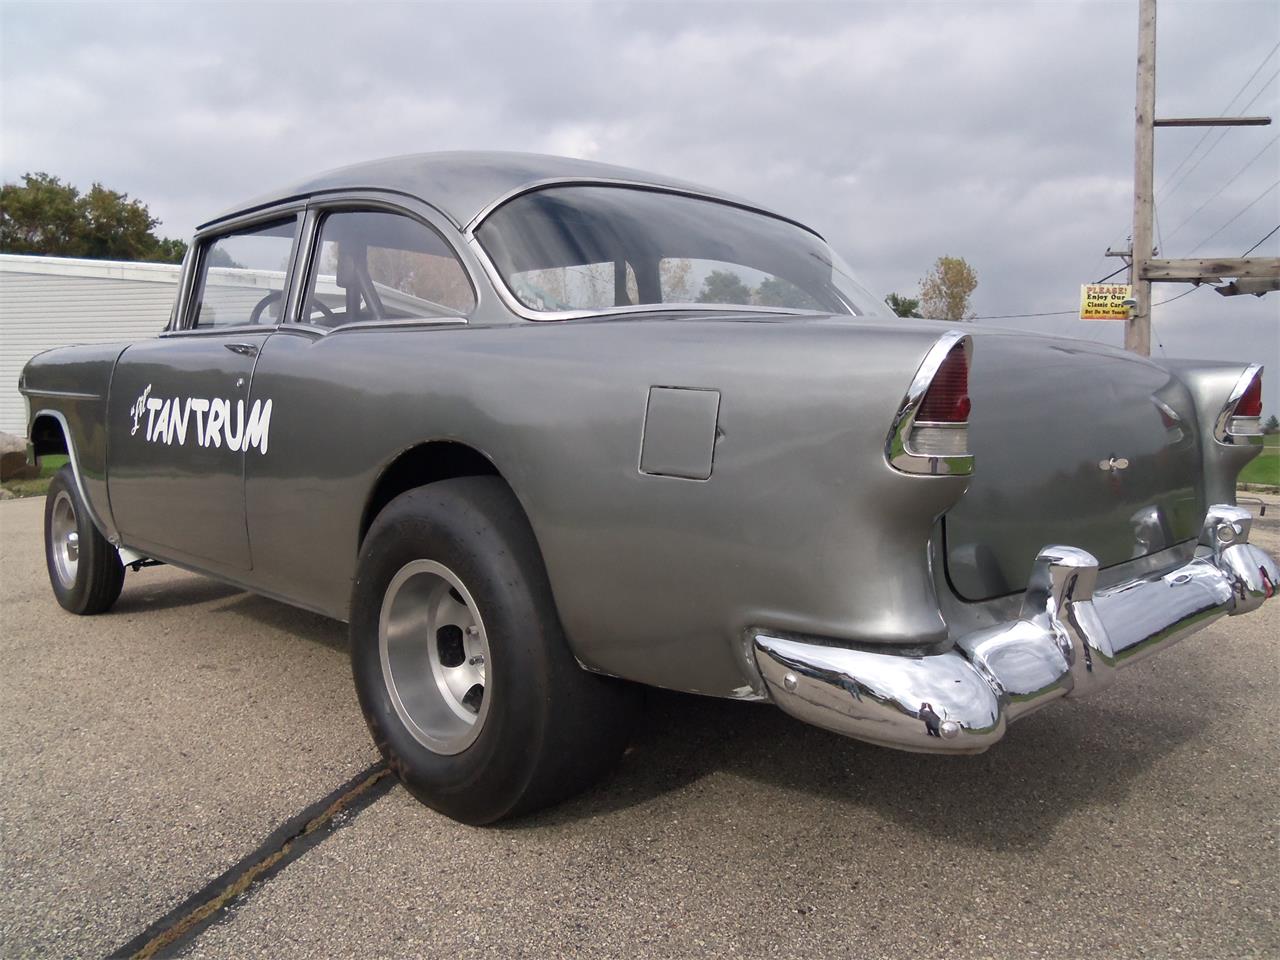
point(421, 464)
point(51, 434)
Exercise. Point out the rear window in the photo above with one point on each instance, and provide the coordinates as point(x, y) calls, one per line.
point(592, 249)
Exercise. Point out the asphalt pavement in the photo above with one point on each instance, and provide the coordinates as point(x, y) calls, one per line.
point(146, 752)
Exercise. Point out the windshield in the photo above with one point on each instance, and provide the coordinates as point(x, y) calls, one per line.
point(588, 248)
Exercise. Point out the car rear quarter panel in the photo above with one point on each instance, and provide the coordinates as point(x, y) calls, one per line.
point(801, 526)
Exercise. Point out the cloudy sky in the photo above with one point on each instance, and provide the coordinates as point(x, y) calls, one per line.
point(1000, 132)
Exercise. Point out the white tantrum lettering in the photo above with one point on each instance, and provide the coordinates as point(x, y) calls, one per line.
point(178, 418)
point(200, 405)
point(217, 416)
point(162, 422)
point(169, 420)
point(153, 404)
point(233, 440)
point(255, 434)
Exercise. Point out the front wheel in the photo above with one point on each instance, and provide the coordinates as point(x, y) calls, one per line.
point(462, 669)
point(84, 568)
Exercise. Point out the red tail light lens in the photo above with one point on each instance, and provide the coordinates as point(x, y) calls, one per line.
point(1250, 402)
point(947, 399)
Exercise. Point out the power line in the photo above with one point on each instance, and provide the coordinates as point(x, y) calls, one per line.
point(1244, 86)
point(1192, 169)
point(1181, 163)
point(1112, 274)
point(1076, 312)
point(1217, 193)
point(1261, 242)
point(1019, 316)
point(1185, 293)
point(1238, 215)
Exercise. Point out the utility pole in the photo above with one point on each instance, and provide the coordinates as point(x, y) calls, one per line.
point(1143, 268)
point(1137, 329)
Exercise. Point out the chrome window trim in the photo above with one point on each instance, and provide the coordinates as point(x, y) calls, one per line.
point(897, 449)
point(186, 320)
point(276, 211)
point(184, 279)
point(512, 302)
point(356, 200)
point(474, 223)
point(239, 330)
point(406, 322)
point(1222, 426)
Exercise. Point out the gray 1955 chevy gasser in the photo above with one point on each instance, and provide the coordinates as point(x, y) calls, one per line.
point(541, 430)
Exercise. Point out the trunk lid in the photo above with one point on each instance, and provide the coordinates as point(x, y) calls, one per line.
point(1074, 444)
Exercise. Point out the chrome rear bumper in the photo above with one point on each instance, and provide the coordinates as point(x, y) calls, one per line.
point(1067, 641)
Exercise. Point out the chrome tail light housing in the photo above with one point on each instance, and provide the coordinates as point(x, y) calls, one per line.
point(930, 433)
point(1240, 420)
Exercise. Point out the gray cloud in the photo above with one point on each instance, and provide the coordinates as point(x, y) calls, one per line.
point(1001, 132)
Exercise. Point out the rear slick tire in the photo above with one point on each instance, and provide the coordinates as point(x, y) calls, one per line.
point(461, 666)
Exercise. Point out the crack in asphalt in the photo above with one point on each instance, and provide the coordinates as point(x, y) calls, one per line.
point(180, 926)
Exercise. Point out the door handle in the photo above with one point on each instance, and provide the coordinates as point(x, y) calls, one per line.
point(244, 349)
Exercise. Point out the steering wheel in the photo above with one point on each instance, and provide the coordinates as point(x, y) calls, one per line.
point(275, 295)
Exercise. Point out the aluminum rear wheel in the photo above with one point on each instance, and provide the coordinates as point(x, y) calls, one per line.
point(435, 656)
point(450, 587)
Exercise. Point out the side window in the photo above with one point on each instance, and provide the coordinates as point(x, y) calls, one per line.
point(583, 286)
point(372, 265)
point(242, 276)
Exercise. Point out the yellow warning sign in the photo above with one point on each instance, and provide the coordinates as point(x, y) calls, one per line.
point(1105, 301)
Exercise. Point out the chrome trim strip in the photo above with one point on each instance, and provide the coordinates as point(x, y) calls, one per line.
point(321, 205)
point(897, 447)
point(239, 330)
point(473, 224)
point(184, 319)
point(74, 460)
point(393, 324)
point(1222, 426)
point(59, 394)
point(512, 302)
point(1066, 641)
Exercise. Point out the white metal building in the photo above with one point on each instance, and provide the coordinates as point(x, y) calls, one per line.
point(52, 302)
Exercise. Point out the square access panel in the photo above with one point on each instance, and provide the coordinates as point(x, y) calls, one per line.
point(679, 432)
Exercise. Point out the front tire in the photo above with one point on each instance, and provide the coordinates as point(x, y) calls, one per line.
point(84, 568)
point(460, 663)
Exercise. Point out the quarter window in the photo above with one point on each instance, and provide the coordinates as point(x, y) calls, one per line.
point(242, 276)
point(373, 265)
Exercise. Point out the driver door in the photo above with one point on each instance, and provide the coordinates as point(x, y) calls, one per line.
point(183, 414)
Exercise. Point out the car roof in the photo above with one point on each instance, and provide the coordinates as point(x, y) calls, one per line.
point(464, 184)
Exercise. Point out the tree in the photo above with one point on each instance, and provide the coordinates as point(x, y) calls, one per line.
point(903, 306)
point(46, 217)
point(776, 292)
point(673, 273)
point(1272, 425)
point(945, 292)
point(724, 286)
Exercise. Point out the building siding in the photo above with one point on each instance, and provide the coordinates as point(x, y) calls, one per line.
point(50, 302)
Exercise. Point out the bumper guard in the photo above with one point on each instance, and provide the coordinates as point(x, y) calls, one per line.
point(1068, 641)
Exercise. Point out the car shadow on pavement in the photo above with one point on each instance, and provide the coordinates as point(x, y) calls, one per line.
point(170, 594)
point(303, 624)
point(1063, 759)
point(1067, 757)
